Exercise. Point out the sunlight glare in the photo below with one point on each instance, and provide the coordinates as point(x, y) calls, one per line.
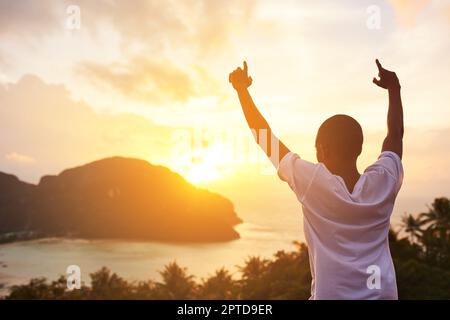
point(203, 172)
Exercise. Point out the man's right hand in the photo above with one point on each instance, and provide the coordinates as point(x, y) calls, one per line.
point(388, 79)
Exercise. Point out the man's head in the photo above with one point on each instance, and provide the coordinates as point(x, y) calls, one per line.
point(339, 141)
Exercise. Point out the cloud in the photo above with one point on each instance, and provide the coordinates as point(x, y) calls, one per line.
point(56, 132)
point(408, 12)
point(149, 80)
point(27, 17)
point(203, 23)
point(447, 12)
point(156, 24)
point(141, 79)
point(20, 158)
point(146, 50)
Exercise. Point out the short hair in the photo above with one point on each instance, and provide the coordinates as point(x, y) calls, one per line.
point(342, 135)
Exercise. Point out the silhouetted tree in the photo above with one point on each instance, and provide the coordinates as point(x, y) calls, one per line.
point(177, 283)
point(107, 285)
point(253, 272)
point(412, 226)
point(219, 286)
point(436, 237)
point(421, 261)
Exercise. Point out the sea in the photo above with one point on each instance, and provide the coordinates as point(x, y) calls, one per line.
point(272, 222)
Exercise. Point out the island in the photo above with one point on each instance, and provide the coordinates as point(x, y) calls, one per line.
point(116, 198)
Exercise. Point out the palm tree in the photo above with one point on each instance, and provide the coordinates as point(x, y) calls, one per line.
point(252, 281)
point(254, 268)
point(412, 226)
point(108, 285)
point(436, 237)
point(219, 286)
point(438, 216)
point(177, 283)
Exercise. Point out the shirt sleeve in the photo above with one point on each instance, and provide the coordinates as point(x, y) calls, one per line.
point(389, 163)
point(298, 173)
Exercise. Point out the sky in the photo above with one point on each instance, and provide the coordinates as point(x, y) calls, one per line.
point(83, 80)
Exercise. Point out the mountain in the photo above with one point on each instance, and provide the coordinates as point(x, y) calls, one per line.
point(14, 199)
point(116, 198)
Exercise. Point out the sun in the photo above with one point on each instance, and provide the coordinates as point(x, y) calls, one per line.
point(202, 172)
point(204, 162)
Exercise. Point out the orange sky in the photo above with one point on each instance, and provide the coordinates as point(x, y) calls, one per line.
point(140, 78)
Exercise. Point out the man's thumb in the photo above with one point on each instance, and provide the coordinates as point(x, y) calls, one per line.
point(377, 82)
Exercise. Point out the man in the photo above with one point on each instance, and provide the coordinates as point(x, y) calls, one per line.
point(346, 214)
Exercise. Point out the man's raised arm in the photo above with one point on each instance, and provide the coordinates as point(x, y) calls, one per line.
point(394, 139)
point(261, 130)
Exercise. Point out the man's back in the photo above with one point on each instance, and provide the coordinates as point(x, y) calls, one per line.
point(347, 233)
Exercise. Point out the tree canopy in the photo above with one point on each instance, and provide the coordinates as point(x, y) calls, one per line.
point(420, 250)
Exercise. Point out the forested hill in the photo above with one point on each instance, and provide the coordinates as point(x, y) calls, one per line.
point(115, 198)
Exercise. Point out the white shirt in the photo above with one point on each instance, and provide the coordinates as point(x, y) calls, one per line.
point(347, 233)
